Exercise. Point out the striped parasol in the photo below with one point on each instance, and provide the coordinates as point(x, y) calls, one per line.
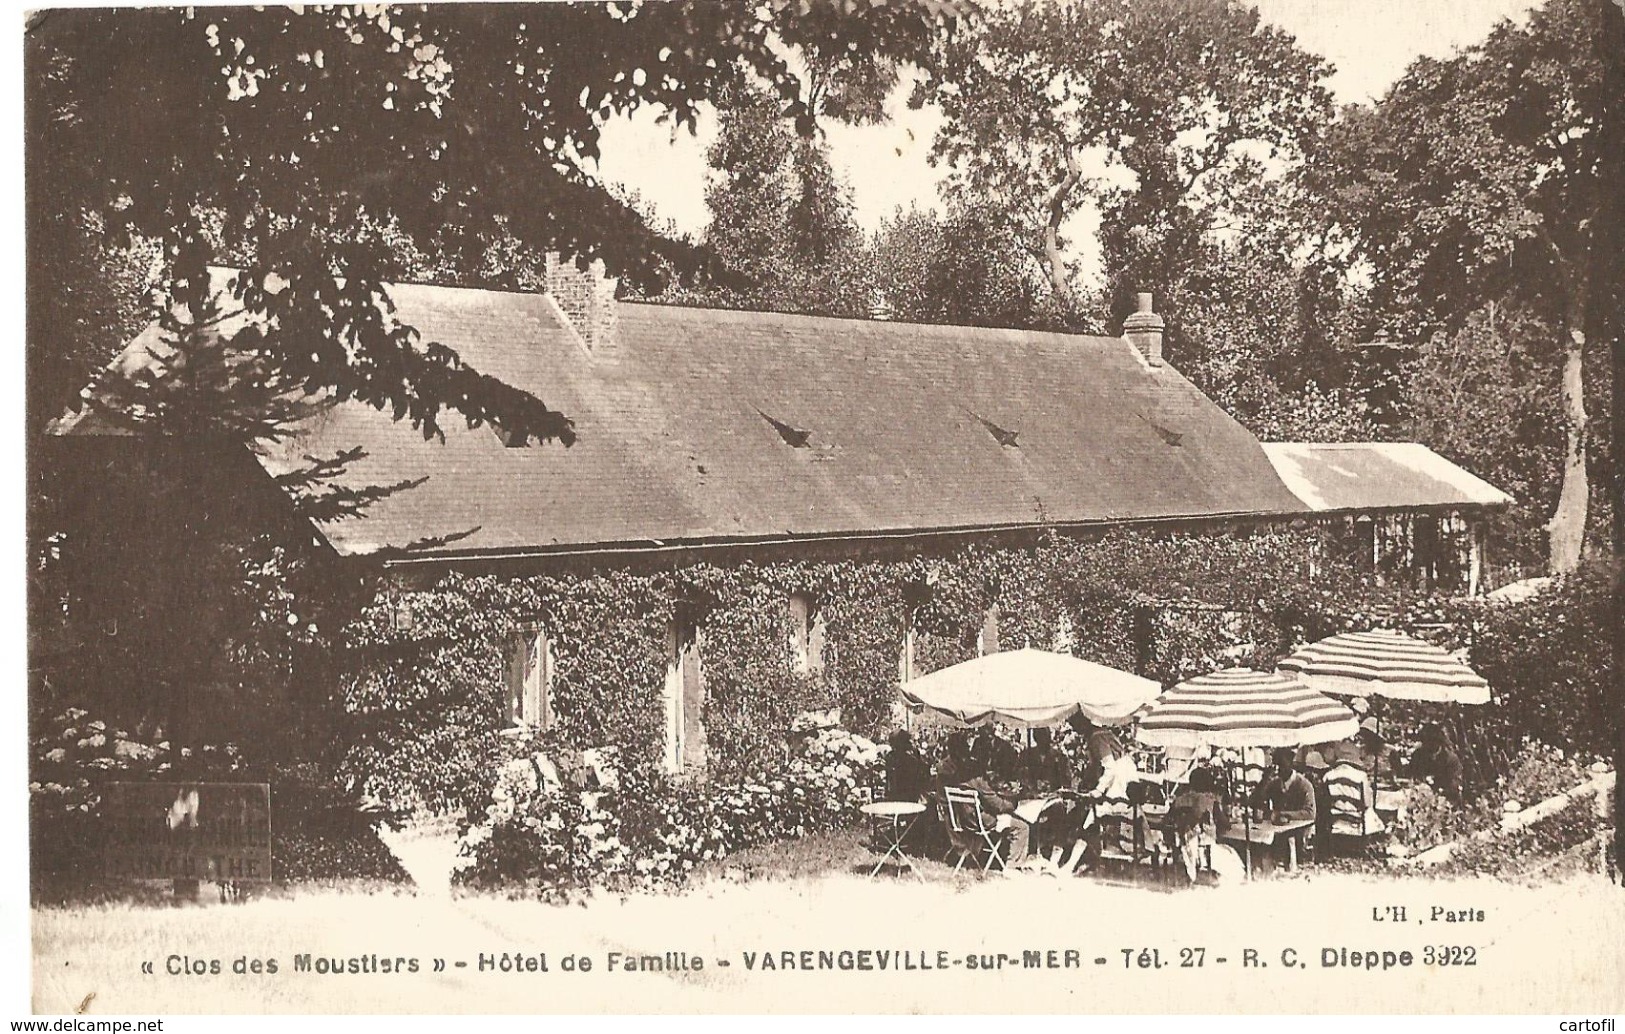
point(1387, 663)
point(1241, 707)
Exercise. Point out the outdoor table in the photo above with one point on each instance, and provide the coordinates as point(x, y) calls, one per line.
point(1032, 809)
point(1261, 831)
point(900, 816)
point(1390, 802)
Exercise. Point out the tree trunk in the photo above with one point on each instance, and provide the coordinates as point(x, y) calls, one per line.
point(1609, 275)
point(1567, 527)
point(1058, 213)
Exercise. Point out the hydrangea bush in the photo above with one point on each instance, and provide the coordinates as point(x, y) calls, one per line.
point(650, 830)
point(319, 831)
point(74, 754)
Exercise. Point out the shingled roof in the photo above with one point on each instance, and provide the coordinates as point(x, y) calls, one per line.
point(716, 426)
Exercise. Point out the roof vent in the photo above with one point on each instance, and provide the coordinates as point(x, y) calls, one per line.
point(1143, 329)
point(794, 437)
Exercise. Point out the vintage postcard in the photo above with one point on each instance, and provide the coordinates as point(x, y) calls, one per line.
point(1092, 506)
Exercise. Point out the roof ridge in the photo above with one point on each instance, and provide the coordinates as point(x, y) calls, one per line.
point(650, 305)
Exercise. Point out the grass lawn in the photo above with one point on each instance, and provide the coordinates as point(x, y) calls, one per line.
point(787, 899)
point(821, 854)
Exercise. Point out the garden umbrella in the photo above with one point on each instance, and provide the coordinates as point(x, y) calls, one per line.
point(1387, 663)
point(1240, 707)
point(1028, 688)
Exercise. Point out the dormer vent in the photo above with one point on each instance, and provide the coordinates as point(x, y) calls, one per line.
point(1004, 437)
point(793, 436)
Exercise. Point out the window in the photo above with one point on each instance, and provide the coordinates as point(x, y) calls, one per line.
point(1366, 542)
point(806, 634)
point(987, 637)
point(530, 679)
point(684, 696)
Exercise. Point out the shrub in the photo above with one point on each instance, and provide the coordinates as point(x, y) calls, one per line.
point(1511, 853)
point(1550, 661)
point(319, 830)
point(649, 830)
point(1538, 772)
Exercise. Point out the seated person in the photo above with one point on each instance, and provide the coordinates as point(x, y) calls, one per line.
point(1045, 773)
point(1437, 762)
point(1201, 795)
point(1197, 817)
point(959, 768)
point(1005, 818)
point(1044, 769)
point(1105, 772)
point(996, 756)
point(1108, 767)
point(956, 765)
point(1286, 794)
point(908, 777)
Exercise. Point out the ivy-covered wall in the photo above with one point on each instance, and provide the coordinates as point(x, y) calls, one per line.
point(425, 702)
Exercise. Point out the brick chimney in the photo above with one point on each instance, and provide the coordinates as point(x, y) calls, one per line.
point(1143, 329)
point(586, 298)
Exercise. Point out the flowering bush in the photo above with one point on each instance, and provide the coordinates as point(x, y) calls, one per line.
point(650, 830)
point(319, 831)
point(75, 754)
point(836, 765)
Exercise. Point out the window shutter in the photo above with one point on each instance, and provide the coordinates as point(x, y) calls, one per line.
point(530, 680)
point(799, 606)
point(685, 697)
point(516, 680)
point(987, 640)
point(544, 709)
point(815, 642)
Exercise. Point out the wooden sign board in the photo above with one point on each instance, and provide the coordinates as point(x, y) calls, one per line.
point(188, 831)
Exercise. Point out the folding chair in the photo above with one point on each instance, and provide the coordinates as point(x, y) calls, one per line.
point(968, 829)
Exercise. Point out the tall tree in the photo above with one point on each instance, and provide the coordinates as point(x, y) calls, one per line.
point(967, 267)
point(323, 151)
point(277, 137)
point(1167, 95)
point(1485, 395)
point(781, 219)
point(1481, 179)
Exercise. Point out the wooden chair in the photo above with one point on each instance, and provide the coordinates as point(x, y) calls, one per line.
point(1150, 760)
point(969, 831)
point(1349, 797)
point(1119, 822)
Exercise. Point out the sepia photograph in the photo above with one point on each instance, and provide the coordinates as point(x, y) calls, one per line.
point(825, 507)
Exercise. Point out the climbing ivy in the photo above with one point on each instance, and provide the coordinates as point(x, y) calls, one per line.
point(426, 703)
